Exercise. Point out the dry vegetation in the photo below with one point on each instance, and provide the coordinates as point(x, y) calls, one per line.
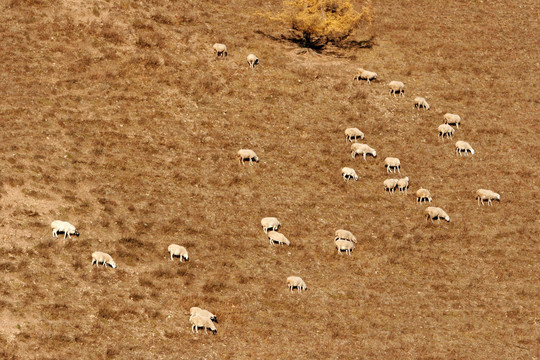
point(116, 117)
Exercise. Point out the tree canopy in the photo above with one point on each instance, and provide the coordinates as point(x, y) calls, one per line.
point(317, 22)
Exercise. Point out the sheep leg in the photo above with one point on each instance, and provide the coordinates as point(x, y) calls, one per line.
point(398, 170)
point(365, 157)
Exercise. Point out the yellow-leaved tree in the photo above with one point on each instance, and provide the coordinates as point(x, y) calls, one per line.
point(317, 22)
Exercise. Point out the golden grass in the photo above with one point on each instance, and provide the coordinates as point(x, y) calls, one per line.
point(117, 117)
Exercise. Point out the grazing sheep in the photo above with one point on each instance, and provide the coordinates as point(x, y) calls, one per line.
point(277, 238)
point(446, 130)
point(463, 147)
point(220, 49)
point(252, 60)
point(483, 195)
point(397, 87)
point(198, 321)
point(270, 223)
point(362, 74)
point(403, 184)
point(296, 282)
point(203, 313)
point(452, 119)
point(357, 149)
point(421, 103)
point(390, 185)
point(349, 173)
point(59, 226)
point(392, 163)
point(247, 155)
point(436, 213)
point(177, 250)
point(105, 259)
point(423, 195)
point(344, 235)
point(344, 245)
point(353, 134)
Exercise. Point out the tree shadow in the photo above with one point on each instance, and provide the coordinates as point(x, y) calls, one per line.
point(319, 46)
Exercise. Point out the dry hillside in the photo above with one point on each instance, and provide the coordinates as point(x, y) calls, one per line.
point(116, 116)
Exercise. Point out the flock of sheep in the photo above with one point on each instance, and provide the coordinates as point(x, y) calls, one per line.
point(344, 240)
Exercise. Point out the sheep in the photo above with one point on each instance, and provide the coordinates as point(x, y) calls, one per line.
point(105, 259)
point(403, 184)
point(198, 321)
point(247, 155)
point(362, 74)
point(349, 173)
point(397, 87)
point(423, 195)
point(392, 163)
point(445, 129)
point(63, 227)
point(421, 103)
point(483, 195)
point(463, 146)
point(353, 134)
point(296, 282)
point(278, 238)
point(270, 223)
point(344, 235)
point(177, 250)
point(344, 245)
point(436, 213)
point(357, 149)
point(452, 119)
point(252, 60)
point(220, 49)
point(203, 313)
point(390, 185)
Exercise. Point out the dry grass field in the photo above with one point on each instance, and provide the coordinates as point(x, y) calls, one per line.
point(116, 116)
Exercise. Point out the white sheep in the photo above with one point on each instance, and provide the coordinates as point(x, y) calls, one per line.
point(349, 173)
point(296, 282)
point(247, 155)
point(452, 119)
point(177, 250)
point(344, 235)
point(344, 245)
point(421, 103)
point(203, 313)
point(392, 163)
point(104, 258)
point(390, 185)
point(483, 195)
point(423, 195)
point(463, 147)
point(353, 134)
point(403, 184)
point(277, 238)
point(357, 149)
point(446, 130)
point(270, 223)
point(220, 49)
point(59, 226)
point(252, 60)
point(397, 87)
point(198, 321)
point(436, 213)
point(362, 74)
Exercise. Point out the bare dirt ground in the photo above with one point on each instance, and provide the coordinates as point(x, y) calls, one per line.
point(116, 117)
